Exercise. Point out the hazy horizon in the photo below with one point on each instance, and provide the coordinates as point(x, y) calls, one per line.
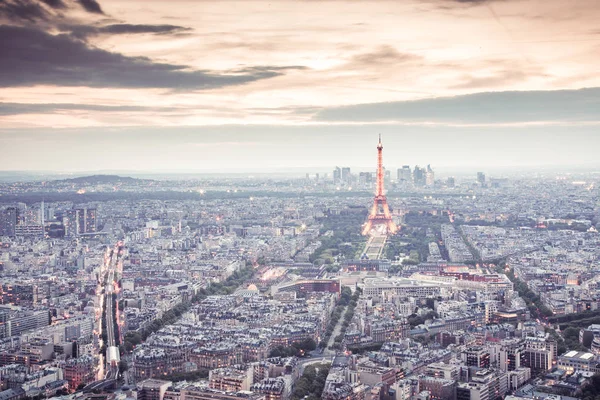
point(300, 172)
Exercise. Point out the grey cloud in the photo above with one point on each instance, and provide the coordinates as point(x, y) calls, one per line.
point(58, 4)
point(31, 57)
point(493, 107)
point(23, 10)
point(19, 11)
point(44, 108)
point(383, 55)
point(91, 6)
point(142, 28)
point(84, 31)
point(49, 15)
point(263, 69)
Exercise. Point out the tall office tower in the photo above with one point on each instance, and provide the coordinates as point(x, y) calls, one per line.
point(404, 174)
point(49, 214)
point(337, 175)
point(80, 212)
point(21, 211)
point(450, 182)
point(481, 178)
point(8, 221)
point(91, 223)
point(346, 175)
point(419, 176)
point(27, 216)
point(380, 215)
point(317, 177)
point(42, 214)
point(429, 176)
point(79, 221)
point(70, 223)
point(84, 220)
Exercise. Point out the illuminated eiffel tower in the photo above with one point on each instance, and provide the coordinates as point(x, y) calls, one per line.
point(380, 216)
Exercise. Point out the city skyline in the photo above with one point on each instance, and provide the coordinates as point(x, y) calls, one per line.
point(263, 86)
point(195, 201)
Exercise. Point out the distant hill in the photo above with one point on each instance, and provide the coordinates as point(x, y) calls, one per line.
point(102, 179)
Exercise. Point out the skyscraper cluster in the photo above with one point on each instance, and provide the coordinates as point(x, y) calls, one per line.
point(21, 220)
point(420, 177)
point(80, 221)
point(342, 175)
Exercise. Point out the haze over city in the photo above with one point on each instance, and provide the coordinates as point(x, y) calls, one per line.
point(299, 200)
point(267, 86)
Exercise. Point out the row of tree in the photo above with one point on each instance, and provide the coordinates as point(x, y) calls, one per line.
point(560, 319)
point(115, 320)
point(344, 300)
point(537, 309)
point(187, 376)
point(337, 342)
point(312, 382)
point(364, 348)
point(297, 349)
point(583, 322)
point(561, 347)
point(226, 287)
point(571, 339)
point(591, 390)
point(416, 320)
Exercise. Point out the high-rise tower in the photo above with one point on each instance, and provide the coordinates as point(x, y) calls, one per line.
point(380, 216)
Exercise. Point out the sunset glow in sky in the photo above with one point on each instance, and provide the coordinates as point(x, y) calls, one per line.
point(260, 85)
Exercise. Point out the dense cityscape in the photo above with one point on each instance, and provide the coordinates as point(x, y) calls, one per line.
point(299, 200)
point(263, 288)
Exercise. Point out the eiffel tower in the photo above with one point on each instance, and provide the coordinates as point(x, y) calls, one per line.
point(380, 216)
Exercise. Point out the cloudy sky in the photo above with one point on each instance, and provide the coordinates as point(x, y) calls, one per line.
point(263, 85)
